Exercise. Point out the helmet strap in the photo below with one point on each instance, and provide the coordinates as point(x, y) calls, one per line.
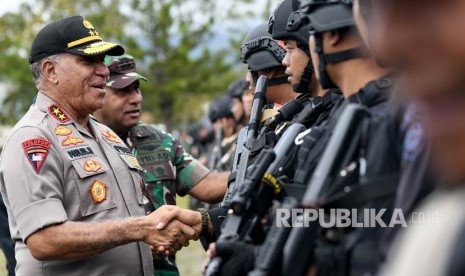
point(305, 79)
point(334, 58)
point(277, 81)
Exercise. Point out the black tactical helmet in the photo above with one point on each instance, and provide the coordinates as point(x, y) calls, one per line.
point(220, 108)
point(236, 89)
point(328, 15)
point(260, 51)
point(325, 16)
point(284, 23)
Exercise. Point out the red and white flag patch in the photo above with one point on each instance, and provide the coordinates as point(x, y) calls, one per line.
point(36, 151)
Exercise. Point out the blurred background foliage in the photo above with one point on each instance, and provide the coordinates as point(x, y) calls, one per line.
point(172, 41)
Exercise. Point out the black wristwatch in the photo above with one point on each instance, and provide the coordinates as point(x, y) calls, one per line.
point(205, 218)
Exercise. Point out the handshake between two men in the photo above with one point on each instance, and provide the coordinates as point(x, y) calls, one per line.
point(173, 228)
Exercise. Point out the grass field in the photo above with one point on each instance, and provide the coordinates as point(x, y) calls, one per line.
point(189, 259)
point(2, 264)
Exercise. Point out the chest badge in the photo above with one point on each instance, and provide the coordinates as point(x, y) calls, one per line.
point(36, 151)
point(110, 136)
point(58, 113)
point(134, 162)
point(62, 130)
point(92, 166)
point(72, 141)
point(98, 191)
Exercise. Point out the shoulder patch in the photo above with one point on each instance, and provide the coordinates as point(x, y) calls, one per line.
point(58, 113)
point(36, 151)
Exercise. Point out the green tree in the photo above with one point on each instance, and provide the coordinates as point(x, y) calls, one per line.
point(171, 40)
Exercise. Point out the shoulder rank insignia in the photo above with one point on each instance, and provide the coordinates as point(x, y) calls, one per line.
point(92, 166)
point(62, 130)
point(110, 136)
point(72, 141)
point(58, 113)
point(98, 191)
point(36, 151)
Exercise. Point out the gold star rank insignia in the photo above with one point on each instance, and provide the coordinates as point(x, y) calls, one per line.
point(98, 191)
point(58, 113)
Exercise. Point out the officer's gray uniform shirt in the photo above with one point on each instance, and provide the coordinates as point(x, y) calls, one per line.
point(52, 170)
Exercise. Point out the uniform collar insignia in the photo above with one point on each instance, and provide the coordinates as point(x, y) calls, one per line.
point(58, 113)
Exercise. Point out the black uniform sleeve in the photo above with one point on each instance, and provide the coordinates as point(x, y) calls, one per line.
point(217, 217)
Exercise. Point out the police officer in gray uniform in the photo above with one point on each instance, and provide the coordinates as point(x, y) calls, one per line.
point(72, 188)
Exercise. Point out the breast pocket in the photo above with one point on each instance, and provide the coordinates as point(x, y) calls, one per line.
point(94, 186)
point(160, 181)
point(159, 171)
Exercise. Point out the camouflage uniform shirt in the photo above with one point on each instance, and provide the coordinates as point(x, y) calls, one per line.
point(169, 170)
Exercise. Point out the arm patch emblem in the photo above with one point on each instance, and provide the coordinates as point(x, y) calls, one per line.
point(36, 151)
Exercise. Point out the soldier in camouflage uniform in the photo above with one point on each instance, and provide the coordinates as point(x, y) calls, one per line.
point(169, 170)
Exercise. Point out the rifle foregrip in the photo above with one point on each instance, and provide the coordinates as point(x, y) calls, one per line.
point(243, 191)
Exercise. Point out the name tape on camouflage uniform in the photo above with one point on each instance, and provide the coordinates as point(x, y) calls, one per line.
point(36, 151)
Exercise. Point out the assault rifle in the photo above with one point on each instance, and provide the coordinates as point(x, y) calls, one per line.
point(247, 137)
point(252, 198)
point(344, 144)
